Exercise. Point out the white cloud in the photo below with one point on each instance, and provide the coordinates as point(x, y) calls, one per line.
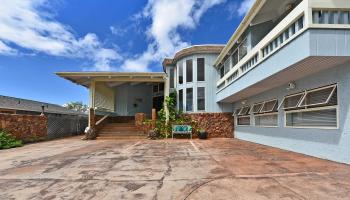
point(168, 16)
point(26, 25)
point(245, 6)
point(6, 50)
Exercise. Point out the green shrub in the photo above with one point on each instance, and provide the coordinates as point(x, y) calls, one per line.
point(7, 141)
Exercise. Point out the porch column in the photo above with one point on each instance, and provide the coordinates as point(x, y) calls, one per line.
point(166, 94)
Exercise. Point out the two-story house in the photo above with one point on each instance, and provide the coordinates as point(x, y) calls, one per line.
point(284, 75)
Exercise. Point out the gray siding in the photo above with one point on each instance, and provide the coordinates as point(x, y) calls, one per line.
point(127, 95)
point(328, 144)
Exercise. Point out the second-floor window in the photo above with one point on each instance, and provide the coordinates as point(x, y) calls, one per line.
point(180, 71)
point(200, 69)
point(243, 48)
point(189, 71)
point(171, 74)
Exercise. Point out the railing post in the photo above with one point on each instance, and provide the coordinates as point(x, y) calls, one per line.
point(154, 118)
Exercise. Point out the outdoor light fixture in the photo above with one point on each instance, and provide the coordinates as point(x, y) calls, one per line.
point(244, 102)
point(291, 86)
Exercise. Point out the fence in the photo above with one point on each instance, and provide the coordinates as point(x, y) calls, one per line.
point(65, 125)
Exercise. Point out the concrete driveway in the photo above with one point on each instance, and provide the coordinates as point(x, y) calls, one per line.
point(179, 169)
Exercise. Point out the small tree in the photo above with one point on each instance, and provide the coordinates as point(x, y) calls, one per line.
point(76, 106)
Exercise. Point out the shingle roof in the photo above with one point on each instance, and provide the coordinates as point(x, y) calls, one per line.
point(34, 106)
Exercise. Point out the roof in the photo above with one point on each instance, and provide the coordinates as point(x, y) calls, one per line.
point(85, 78)
point(240, 30)
point(13, 103)
point(196, 49)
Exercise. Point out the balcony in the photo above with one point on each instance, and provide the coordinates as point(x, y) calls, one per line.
point(310, 30)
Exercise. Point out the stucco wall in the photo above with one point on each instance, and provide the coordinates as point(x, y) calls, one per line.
point(132, 99)
point(211, 76)
point(328, 144)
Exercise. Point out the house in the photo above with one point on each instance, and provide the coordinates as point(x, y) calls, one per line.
point(13, 105)
point(284, 75)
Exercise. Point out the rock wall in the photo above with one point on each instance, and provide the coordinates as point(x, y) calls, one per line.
point(28, 128)
point(218, 125)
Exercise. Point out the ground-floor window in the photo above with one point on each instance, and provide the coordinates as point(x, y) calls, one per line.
point(201, 99)
point(189, 99)
point(243, 117)
point(325, 117)
point(266, 120)
point(181, 104)
point(315, 108)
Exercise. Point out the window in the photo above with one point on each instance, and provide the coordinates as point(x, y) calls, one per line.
point(269, 106)
point(243, 48)
point(181, 104)
point(222, 71)
point(321, 96)
point(266, 120)
point(189, 99)
point(161, 87)
point(313, 118)
point(236, 112)
point(243, 118)
point(172, 76)
point(155, 88)
point(243, 121)
point(227, 66)
point(244, 111)
point(189, 71)
point(317, 108)
point(234, 58)
point(200, 69)
point(180, 72)
point(292, 101)
point(201, 98)
point(257, 107)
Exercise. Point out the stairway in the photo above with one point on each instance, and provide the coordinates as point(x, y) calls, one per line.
point(125, 130)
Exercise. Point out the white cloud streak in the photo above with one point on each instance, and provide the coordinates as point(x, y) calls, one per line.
point(168, 17)
point(245, 6)
point(25, 24)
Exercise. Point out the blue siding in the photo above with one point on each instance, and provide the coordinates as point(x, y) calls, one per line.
point(314, 42)
point(127, 95)
point(328, 144)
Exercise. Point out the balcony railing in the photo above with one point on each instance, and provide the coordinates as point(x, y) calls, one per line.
point(308, 14)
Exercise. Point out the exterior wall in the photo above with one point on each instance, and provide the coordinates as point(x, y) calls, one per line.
point(211, 75)
point(127, 96)
point(328, 144)
point(314, 42)
point(25, 127)
point(216, 124)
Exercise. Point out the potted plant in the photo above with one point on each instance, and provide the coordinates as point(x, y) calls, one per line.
point(202, 134)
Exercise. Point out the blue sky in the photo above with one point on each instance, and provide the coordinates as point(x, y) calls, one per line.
point(40, 37)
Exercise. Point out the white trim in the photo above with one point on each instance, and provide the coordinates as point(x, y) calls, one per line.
point(334, 86)
point(310, 110)
point(267, 114)
point(292, 95)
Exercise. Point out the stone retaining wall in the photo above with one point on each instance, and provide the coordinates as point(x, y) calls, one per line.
point(25, 127)
point(216, 124)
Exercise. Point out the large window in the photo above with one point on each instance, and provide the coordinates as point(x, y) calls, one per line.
point(234, 58)
point(180, 72)
point(200, 98)
point(200, 69)
point(181, 99)
point(189, 71)
point(189, 99)
point(222, 72)
point(265, 113)
point(172, 76)
point(243, 48)
point(316, 108)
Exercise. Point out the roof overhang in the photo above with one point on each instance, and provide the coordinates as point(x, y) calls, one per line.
point(112, 78)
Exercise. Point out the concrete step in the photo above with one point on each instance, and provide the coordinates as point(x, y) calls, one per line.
point(119, 129)
point(120, 133)
point(118, 137)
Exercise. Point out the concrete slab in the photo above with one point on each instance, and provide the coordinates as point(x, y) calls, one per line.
point(167, 169)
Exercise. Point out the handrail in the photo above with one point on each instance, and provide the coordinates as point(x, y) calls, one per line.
point(102, 119)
